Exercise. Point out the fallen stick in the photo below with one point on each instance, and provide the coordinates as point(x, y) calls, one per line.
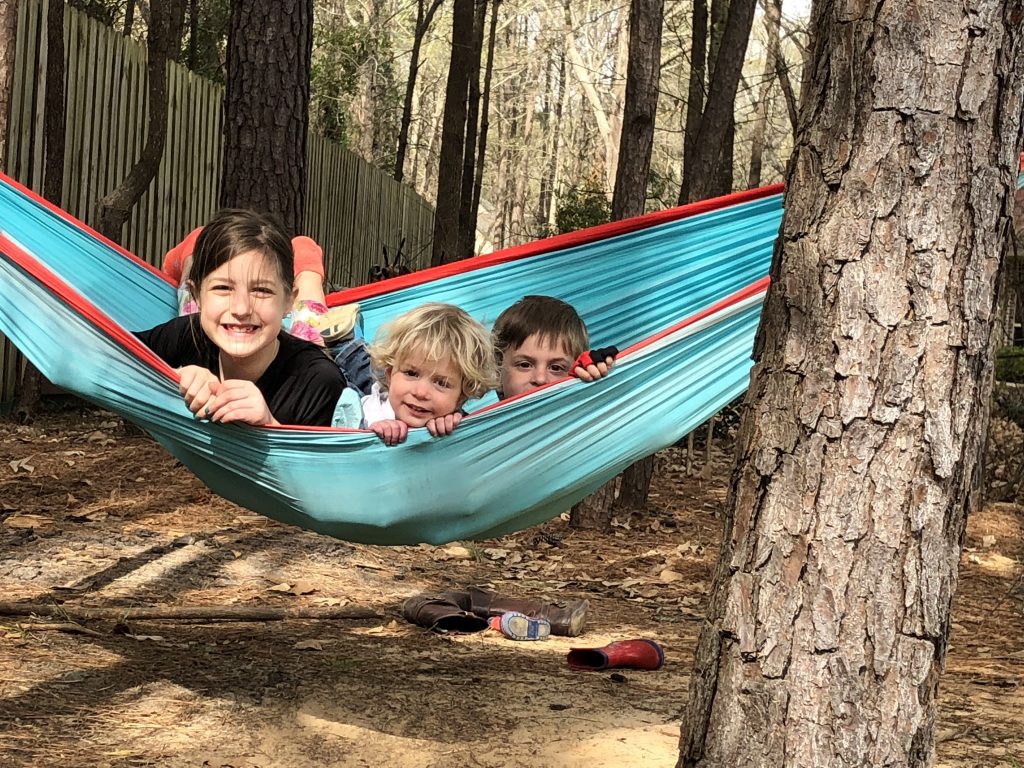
point(199, 613)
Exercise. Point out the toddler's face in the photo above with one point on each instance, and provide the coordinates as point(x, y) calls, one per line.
point(420, 390)
point(534, 363)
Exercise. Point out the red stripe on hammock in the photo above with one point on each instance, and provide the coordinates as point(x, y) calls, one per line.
point(104, 323)
point(547, 245)
point(741, 295)
point(83, 226)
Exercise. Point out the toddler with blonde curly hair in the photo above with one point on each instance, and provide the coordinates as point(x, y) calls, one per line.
point(428, 362)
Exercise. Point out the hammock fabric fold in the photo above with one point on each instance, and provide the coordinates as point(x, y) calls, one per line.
point(678, 291)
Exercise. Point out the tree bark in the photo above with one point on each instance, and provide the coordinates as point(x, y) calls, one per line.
point(163, 43)
point(453, 136)
point(727, 138)
point(8, 41)
point(424, 16)
point(863, 426)
point(266, 109)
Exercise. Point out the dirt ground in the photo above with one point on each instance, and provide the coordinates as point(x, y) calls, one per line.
point(94, 517)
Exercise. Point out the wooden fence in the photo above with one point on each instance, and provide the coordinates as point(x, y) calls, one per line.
point(353, 209)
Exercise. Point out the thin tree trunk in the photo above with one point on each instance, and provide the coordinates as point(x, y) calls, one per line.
point(709, 146)
point(772, 14)
point(696, 94)
point(642, 78)
point(635, 146)
point(266, 109)
point(129, 17)
point(467, 236)
point(547, 213)
point(727, 138)
point(863, 427)
point(424, 16)
point(485, 122)
point(781, 69)
point(30, 390)
point(453, 136)
point(193, 34)
point(163, 43)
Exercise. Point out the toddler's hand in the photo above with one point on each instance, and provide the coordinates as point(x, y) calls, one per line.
point(391, 431)
point(195, 386)
point(238, 400)
point(444, 425)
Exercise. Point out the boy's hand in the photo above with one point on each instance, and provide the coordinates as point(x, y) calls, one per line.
point(440, 426)
point(594, 364)
point(391, 431)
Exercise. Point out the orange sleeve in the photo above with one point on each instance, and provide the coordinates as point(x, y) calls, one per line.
point(174, 259)
point(309, 257)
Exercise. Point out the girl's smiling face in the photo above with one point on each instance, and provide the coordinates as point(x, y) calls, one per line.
point(420, 389)
point(241, 305)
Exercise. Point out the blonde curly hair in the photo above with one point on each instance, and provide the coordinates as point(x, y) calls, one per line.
point(438, 331)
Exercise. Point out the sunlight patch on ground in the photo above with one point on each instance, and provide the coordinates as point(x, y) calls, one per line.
point(155, 570)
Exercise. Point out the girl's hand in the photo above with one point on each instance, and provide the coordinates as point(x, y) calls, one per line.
point(195, 387)
point(440, 426)
point(391, 431)
point(238, 400)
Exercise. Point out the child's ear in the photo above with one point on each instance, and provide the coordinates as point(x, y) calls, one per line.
point(193, 289)
point(294, 296)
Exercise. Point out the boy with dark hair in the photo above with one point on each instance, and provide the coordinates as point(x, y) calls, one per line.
point(541, 339)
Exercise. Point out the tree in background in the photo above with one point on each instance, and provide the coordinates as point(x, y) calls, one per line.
point(705, 150)
point(163, 43)
point(424, 16)
point(453, 136)
point(53, 173)
point(266, 109)
point(635, 145)
point(865, 419)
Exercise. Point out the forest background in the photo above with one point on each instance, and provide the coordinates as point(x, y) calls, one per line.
point(552, 121)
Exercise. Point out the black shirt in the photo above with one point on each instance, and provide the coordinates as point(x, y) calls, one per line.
point(301, 385)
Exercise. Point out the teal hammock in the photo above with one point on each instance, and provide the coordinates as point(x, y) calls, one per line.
point(678, 291)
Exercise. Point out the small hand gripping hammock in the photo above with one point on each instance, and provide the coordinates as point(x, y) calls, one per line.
point(678, 291)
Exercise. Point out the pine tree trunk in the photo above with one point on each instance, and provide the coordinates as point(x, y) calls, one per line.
point(829, 620)
point(8, 33)
point(266, 108)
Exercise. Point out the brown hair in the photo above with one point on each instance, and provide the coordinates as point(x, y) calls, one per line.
point(234, 231)
point(553, 320)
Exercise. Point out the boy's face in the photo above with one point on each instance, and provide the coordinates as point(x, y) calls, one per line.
point(420, 390)
point(534, 363)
